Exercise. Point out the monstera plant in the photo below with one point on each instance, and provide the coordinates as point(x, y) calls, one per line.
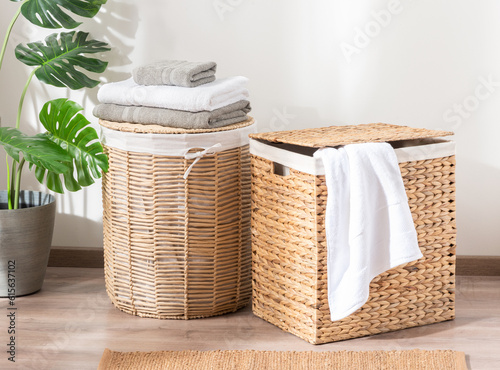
point(66, 154)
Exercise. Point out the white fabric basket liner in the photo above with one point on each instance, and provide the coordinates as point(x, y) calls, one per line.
point(176, 145)
point(286, 156)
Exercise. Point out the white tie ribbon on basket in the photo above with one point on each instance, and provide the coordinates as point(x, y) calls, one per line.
point(199, 155)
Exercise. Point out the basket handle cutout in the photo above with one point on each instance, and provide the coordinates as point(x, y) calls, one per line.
point(280, 170)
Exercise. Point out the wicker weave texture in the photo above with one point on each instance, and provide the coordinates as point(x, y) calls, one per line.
point(157, 129)
point(278, 360)
point(175, 248)
point(289, 255)
point(354, 134)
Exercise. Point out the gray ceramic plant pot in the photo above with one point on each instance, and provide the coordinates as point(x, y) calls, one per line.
point(25, 240)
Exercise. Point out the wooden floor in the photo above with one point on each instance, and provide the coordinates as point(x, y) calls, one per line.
point(70, 321)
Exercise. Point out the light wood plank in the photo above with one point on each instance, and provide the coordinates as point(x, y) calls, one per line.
point(70, 321)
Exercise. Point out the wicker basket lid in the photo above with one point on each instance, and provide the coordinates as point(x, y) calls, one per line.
point(344, 135)
point(157, 129)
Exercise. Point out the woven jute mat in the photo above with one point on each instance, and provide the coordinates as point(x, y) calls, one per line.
point(271, 360)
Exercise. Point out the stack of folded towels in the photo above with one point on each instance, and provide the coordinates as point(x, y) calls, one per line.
point(175, 94)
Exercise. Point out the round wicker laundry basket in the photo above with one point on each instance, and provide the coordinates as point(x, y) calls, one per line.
point(177, 235)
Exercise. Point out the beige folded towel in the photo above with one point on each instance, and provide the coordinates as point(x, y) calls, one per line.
point(175, 73)
point(232, 113)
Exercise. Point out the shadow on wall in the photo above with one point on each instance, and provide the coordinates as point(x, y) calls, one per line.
point(116, 24)
point(78, 218)
point(71, 230)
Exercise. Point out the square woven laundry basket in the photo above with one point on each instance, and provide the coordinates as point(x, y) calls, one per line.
point(177, 219)
point(289, 256)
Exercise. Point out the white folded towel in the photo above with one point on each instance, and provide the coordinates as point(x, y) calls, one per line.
point(207, 97)
point(369, 226)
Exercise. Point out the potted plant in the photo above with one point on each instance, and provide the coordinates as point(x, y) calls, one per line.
point(67, 154)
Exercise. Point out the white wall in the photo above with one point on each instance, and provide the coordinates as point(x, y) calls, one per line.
point(309, 66)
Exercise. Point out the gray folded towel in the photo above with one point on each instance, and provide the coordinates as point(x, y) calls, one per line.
point(232, 113)
point(175, 73)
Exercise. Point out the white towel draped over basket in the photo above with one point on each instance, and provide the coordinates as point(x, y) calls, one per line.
point(368, 223)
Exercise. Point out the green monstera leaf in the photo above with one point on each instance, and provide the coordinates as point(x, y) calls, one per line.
point(57, 58)
point(72, 132)
point(8, 139)
point(37, 150)
point(54, 13)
